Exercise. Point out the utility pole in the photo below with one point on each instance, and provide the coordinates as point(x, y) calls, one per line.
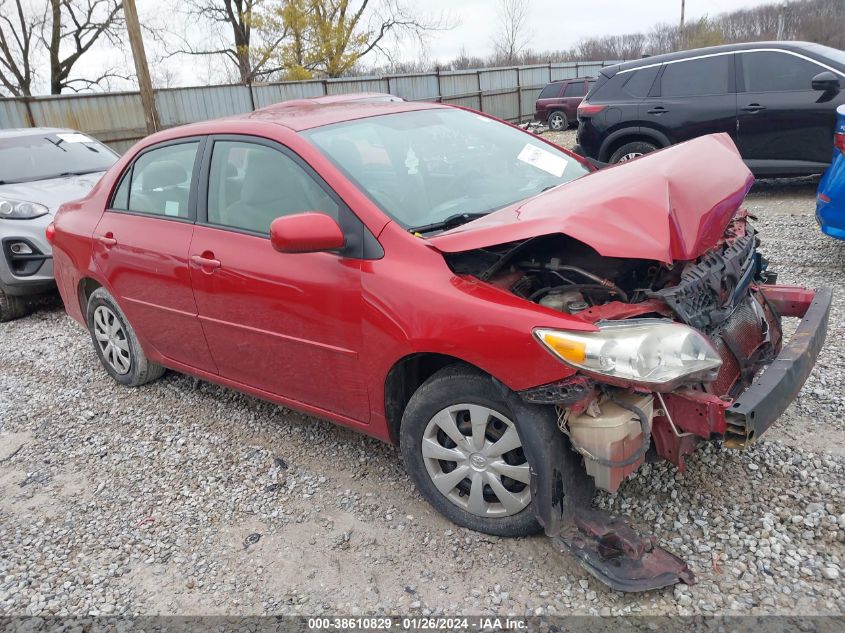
point(682, 15)
point(145, 85)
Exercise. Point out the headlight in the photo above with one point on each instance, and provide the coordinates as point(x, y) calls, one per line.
point(647, 351)
point(21, 210)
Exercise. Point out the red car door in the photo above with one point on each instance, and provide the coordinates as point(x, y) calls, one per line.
point(288, 324)
point(141, 247)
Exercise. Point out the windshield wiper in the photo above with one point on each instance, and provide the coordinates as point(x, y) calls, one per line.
point(449, 223)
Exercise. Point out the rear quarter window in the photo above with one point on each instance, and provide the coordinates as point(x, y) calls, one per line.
point(550, 91)
point(639, 82)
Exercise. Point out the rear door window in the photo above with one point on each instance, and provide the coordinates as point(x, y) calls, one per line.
point(550, 91)
point(575, 89)
point(771, 71)
point(159, 182)
point(696, 77)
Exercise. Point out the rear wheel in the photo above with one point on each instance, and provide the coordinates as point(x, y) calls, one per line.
point(630, 151)
point(116, 344)
point(462, 447)
point(11, 307)
point(558, 121)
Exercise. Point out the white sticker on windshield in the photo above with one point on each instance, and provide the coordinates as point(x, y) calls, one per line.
point(74, 138)
point(542, 159)
point(171, 207)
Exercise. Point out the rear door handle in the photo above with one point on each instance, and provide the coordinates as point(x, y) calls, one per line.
point(657, 110)
point(106, 240)
point(753, 107)
point(205, 262)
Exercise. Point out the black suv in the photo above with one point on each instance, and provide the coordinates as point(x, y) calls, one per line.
point(777, 100)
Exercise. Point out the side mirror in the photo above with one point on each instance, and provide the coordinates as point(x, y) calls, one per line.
point(826, 81)
point(308, 232)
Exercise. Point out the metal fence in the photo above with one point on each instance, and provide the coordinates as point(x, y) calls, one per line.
point(118, 118)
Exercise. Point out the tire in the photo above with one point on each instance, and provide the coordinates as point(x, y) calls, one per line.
point(446, 395)
point(11, 307)
point(115, 342)
point(632, 150)
point(558, 121)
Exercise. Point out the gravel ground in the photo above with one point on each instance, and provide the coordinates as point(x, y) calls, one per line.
point(182, 497)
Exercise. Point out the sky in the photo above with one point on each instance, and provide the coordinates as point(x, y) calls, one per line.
point(552, 25)
point(559, 24)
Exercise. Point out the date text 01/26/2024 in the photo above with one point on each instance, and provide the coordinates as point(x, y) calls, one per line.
point(416, 623)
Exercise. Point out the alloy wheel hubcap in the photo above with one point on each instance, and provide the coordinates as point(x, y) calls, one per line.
point(112, 339)
point(630, 156)
point(474, 457)
point(557, 121)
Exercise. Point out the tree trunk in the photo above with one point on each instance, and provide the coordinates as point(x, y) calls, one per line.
point(55, 40)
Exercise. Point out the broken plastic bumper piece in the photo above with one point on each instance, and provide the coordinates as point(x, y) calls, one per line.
point(616, 555)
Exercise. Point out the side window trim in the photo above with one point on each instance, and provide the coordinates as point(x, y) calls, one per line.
point(192, 194)
point(351, 224)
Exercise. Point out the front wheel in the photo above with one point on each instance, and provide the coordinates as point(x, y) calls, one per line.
point(11, 307)
point(630, 151)
point(462, 447)
point(558, 121)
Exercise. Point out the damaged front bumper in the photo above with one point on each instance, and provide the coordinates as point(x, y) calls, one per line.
point(757, 408)
point(605, 545)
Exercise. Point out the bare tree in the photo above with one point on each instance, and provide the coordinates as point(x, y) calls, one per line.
point(512, 36)
point(240, 33)
point(18, 34)
point(72, 28)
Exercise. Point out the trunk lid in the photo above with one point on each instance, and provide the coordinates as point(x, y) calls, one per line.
point(671, 205)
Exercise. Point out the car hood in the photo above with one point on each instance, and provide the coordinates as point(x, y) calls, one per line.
point(670, 205)
point(52, 192)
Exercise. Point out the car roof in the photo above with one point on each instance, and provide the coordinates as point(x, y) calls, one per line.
point(710, 50)
point(16, 132)
point(563, 81)
point(297, 115)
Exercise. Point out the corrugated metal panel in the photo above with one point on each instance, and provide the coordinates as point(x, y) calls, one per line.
point(414, 87)
point(464, 102)
point(498, 79)
point(459, 83)
point(274, 93)
point(108, 117)
point(364, 84)
point(13, 113)
point(503, 106)
point(534, 76)
point(565, 71)
point(529, 100)
point(188, 105)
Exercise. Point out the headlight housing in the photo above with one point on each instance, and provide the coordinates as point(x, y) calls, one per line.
point(652, 352)
point(21, 209)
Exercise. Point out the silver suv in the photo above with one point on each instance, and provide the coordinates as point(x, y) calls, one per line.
point(40, 169)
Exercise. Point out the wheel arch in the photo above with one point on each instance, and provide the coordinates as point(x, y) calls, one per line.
point(631, 135)
point(86, 286)
point(405, 377)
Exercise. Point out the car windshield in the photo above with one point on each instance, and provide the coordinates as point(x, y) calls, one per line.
point(50, 155)
point(428, 166)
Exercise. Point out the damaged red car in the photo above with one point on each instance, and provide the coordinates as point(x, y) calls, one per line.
point(525, 326)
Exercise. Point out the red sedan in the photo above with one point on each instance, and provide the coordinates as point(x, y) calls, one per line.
point(522, 325)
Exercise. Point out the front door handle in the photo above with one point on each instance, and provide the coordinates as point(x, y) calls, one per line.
point(657, 110)
point(205, 262)
point(753, 108)
point(106, 240)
